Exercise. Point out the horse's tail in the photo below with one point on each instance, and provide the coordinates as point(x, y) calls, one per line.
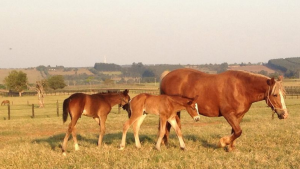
point(65, 109)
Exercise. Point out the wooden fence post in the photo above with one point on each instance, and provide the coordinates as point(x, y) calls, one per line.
point(57, 108)
point(8, 109)
point(32, 111)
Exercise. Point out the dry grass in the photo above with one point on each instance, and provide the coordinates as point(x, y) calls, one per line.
point(35, 143)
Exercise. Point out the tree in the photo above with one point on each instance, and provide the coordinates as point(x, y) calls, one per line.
point(40, 85)
point(56, 82)
point(148, 73)
point(16, 81)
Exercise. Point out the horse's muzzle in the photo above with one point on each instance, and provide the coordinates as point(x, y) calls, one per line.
point(196, 118)
point(282, 114)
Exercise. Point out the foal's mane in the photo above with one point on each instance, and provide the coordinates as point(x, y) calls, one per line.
point(108, 92)
point(180, 96)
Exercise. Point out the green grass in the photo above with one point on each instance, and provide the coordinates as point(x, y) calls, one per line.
point(27, 142)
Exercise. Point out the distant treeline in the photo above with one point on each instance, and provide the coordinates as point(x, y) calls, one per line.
point(290, 67)
point(110, 73)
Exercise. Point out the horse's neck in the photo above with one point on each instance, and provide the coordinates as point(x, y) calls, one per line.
point(256, 89)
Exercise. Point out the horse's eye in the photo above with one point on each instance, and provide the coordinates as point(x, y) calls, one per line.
point(275, 95)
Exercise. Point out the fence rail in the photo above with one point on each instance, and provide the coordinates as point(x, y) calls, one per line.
point(88, 91)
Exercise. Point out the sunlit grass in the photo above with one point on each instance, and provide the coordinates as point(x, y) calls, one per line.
point(27, 142)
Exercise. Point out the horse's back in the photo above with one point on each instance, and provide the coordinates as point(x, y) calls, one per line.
point(191, 83)
point(188, 83)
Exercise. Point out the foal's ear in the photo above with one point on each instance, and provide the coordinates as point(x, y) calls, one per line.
point(280, 78)
point(126, 91)
point(271, 81)
point(190, 102)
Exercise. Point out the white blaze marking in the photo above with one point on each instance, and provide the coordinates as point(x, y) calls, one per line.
point(196, 107)
point(282, 100)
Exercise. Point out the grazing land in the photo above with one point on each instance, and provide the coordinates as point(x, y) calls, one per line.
point(27, 142)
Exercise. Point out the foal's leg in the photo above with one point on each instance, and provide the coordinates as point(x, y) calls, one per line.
point(64, 145)
point(162, 131)
point(173, 123)
point(168, 128)
point(126, 126)
point(102, 129)
point(71, 129)
point(136, 127)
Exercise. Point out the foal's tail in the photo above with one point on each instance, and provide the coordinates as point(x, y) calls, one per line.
point(127, 108)
point(65, 110)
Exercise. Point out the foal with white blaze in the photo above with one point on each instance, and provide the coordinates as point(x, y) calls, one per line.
point(163, 105)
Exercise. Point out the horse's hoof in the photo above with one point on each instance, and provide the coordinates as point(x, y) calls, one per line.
point(221, 144)
point(182, 148)
point(121, 148)
point(64, 154)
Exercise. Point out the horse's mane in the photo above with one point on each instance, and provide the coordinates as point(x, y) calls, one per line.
point(277, 86)
point(248, 73)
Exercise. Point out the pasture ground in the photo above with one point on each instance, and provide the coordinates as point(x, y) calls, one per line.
point(27, 142)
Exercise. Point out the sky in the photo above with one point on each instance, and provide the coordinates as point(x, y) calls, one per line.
point(76, 33)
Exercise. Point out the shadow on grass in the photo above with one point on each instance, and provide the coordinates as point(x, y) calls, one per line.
point(203, 141)
point(55, 141)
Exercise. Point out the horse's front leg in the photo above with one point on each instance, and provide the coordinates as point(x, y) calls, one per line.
point(236, 132)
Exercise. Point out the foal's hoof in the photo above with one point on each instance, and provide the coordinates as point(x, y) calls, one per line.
point(64, 154)
point(121, 148)
point(158, 148)
point(182, 148)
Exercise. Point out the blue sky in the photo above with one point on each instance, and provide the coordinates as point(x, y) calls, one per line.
point(81, 33)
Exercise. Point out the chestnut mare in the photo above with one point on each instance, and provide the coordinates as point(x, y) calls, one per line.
point(164, 106)
point(5, 102)
point(97, 106)
point(228, 94)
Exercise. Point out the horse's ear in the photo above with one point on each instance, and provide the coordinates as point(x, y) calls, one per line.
point(189, 102)
point(271, 81)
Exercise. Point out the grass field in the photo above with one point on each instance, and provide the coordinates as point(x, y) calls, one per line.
point(27, 142)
